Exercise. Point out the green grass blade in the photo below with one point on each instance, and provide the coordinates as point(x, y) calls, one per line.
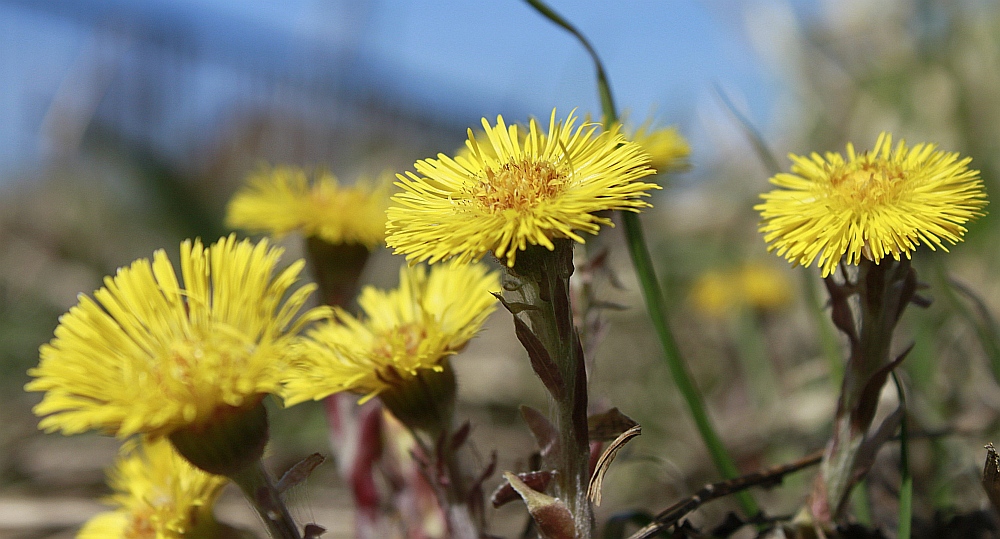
point(652, 294)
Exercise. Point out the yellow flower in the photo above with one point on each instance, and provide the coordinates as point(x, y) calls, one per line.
point(157, 495)
point(668, 151)
point(874, 204)
point(430, 317)
point(465, 151)
point(713, 294)
point(147, 356)
point(753, 285)
point(762, 287)
point(281, 200)
point(515, 191)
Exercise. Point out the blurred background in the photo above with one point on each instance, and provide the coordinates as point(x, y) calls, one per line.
point(128, 125)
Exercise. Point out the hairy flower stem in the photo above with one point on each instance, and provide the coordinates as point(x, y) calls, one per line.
point(445, 473)
point(259, 489)
point(462, 524)
point(355, 434)
point(883, 291)
point(655, 303)
point(425, 404)
point(536, 290)
point(232, 445)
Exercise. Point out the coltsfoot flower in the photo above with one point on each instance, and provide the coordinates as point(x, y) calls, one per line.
point(415, 327)
point(667, 148)
point(873, 204)
point(756, 286)
point(763, 287)
point(512, 191)
point(148, 356)
point(157, 495)
point(282, 199)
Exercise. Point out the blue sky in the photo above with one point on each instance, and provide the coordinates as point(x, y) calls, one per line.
point(472, 58)
point(658, 53)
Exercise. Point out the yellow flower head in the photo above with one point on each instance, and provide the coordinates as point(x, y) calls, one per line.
point(668, 151)
point(465, 151)
point(516, 190)
point(879, 203)
point(147, 356)
point(157, 495)
point(713, 294)
point(751, 286)
point(431, 316)
point(763, 287)
point(281, 200)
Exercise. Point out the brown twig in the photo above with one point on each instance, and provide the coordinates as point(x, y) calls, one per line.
point(767, 477)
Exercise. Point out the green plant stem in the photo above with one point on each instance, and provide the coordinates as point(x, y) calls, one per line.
point(906, 486)
point(675, 363)
point(452, 494)
point(260, 491)
point(651, 288)
point(883, 291)
point(539, 284)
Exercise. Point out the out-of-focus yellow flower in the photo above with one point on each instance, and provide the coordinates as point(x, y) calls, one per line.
point(713, 294)
point(667, 148)
point(148, 356)
point(764, 287)
point(514, 191)
point(874, 204)
point(751, 286)
point(282, 199)
point(157, 495)
point(415, 327)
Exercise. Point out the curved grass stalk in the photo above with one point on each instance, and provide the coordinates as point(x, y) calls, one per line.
point(655, 304)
